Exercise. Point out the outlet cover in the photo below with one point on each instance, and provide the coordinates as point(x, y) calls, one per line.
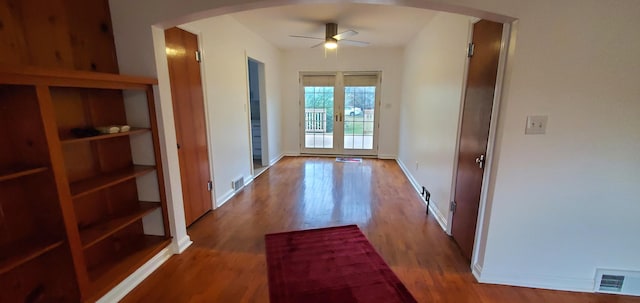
point(536, 125)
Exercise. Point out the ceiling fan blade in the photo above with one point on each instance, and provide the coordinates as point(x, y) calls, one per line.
point(305, 37)
point(319, 44)
point(353, 43)
point(345, 34)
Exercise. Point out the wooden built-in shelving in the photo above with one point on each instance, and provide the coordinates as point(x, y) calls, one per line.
point(15, 173)
point(82, 191)
point(94, 234)
point(103, 276)
point(132, 131)
point(25, 251)
point(85, 187)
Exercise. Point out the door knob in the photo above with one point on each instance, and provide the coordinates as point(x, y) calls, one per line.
point(480, 161)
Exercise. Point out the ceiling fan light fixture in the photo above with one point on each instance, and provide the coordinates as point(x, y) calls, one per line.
point(331, 44)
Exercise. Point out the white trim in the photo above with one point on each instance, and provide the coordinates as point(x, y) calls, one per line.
point(180, 245)
point(133, 280)
point(538, 281)
point(476, 270)
point(491, 142)
point(226, 197)
point(432, 206)
point(278, 158)
point(231, 193)
point(388, 157)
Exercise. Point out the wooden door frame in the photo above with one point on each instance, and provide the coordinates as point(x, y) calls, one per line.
point(487, 176)
point(207, 118)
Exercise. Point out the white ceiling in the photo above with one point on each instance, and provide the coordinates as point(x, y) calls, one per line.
point(380, 25)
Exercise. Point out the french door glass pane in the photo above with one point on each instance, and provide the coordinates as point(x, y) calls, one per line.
point(318, 116)
point(359, 113)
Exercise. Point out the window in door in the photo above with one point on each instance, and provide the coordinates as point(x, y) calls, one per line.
point(339, 113)
point(359, 111)
point(319, 108)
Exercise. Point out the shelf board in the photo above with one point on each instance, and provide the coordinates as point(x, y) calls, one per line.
point(87, 186)
point(132, 131)
point(31, 75)
point(94, 234)
point(107, 275)
point(25, 251)
point(14, 173)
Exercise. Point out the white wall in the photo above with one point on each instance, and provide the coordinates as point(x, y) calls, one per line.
point(560, 204)
point(226, 44)
point(432, 87)
point(566, 202)
point(387, 60)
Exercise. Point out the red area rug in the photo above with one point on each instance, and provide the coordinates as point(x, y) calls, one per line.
point(329, 265)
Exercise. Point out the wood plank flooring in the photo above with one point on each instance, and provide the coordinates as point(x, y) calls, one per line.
point(226, 263)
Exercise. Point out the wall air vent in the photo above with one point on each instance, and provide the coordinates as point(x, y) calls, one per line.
point(618, 282)
point(611, 283)
point(237, 184)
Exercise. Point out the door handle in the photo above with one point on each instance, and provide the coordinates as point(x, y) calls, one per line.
point(337, 115)
point(480, 161)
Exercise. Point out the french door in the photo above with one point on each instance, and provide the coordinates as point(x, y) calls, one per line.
point(339, 113)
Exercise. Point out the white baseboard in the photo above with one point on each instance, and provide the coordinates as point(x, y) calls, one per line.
point(409, 176)
point(433, 208)
point(442, 221)
point(181, 245)
point(248, 179)
point(476, 270)
point(225, 197)
point(536, 281)
point(278, 158)
point(128, 284)
point(388, 157)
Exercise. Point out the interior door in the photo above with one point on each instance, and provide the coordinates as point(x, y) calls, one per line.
point(476, 119)
point(191, 131)
point(339, 113)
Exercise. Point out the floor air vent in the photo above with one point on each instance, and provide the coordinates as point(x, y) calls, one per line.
point(237, 184)
point(618, 282)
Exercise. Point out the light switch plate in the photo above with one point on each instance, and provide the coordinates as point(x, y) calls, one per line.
point(536, 125)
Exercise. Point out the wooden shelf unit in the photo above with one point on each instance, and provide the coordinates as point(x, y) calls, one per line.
point(132, 131)
point(94, 234)
point(102, 181)
point(82, 231)
point(14, 173)
point(26, 251)
point(104, 275)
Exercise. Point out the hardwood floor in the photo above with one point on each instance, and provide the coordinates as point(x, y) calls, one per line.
point(226, 263)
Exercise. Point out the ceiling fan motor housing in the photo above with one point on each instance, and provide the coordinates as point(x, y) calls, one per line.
point(332, 30)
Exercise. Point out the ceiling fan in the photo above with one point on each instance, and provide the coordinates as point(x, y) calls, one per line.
point(332, 38)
